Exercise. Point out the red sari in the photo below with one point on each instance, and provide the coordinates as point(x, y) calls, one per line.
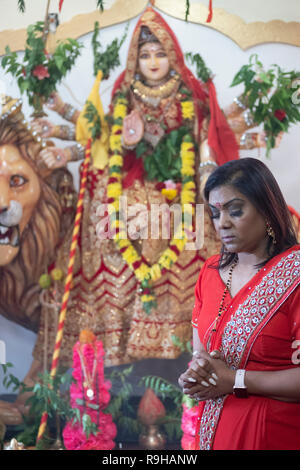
point(256, 332)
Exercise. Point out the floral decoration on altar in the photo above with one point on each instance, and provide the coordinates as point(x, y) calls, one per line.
point(89, 398)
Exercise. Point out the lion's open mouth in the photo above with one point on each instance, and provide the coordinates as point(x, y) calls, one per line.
point(9, 235)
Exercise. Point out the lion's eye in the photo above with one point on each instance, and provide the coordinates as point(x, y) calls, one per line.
point(17, 181)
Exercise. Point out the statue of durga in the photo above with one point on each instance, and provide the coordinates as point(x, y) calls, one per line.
point(157, 103)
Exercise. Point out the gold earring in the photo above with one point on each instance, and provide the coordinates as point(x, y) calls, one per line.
point(271, 233)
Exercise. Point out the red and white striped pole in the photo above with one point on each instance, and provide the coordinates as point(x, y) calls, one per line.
point(63, 311)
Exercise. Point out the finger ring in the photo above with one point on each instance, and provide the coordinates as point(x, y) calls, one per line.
point(131, 131)
point(45, 128)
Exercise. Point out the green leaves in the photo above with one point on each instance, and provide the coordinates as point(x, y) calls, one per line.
point(184, 347)
point(202, 71)
point(187, 9)
point(109, 59)
point(94, 119)
point(39, 72)
point(21, 6)
point(100, 5)
point(164, 162)
point(171, 394)
point(269, 96)
point(9, 380)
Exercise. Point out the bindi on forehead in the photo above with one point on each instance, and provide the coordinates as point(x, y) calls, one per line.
point(222, 205)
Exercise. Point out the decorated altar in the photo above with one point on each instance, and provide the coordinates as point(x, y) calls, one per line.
point(148, 124)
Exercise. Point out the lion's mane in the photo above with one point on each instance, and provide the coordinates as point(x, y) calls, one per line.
point(19, 286)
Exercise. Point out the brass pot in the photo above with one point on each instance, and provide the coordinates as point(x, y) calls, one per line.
point(152, 438)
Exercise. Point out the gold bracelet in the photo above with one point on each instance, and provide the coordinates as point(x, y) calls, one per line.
point(77, 152)
point(68, 112)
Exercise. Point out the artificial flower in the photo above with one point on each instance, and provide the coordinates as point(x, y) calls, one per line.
point(116, 129)
point(56, 274)
point(188, 442)
point(187, 108)
point(40, 72)
point(115, 143)
point(45, 281)
point(115, 160)
point(114, 190)
point(120, 111)
point(187, 170)
point(169, 194)
point(88, 355)
point(155, 272)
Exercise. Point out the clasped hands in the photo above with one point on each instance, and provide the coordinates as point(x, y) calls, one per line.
point(207, 377)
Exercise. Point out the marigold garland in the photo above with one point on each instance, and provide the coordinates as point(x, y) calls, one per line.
point(146, 274)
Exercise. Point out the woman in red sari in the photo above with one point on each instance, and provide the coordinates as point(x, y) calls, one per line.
point(245, 370)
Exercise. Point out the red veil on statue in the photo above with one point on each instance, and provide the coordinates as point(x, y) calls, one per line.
point(220, 136)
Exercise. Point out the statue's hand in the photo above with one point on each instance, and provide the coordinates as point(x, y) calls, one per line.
point(55, 103)
point(133, 129)
point(262, 139)
point(44, 127)
point(54, 157)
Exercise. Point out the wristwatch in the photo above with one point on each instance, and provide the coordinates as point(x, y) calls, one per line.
point(239, 388)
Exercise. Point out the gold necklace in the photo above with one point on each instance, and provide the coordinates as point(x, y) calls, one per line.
point(89, 379)
point(153, 95)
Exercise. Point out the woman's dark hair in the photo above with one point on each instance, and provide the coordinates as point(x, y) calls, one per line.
point(254, 180)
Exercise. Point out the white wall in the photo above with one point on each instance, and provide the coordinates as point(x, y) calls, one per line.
point(222, 56)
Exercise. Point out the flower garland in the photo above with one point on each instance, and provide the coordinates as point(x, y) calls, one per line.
point(88, 373)
point(146, 274)
point(188, 426)
point(190, 413)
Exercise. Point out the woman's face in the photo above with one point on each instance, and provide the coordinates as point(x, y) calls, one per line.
point(241, 228)
point(153, 62)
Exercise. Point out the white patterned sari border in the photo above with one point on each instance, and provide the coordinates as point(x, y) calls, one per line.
point(244, 326)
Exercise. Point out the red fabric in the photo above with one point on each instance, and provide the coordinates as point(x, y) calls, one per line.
point(210, 12)
point(135, 168)
point(60, 5)
point(255, 423)
point(220, 136)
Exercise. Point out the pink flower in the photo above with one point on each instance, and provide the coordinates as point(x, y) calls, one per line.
point(189, 420)
point(88, 366)
point(75, 438)
point(188, 442)
point(40, 72)
point(169, 184)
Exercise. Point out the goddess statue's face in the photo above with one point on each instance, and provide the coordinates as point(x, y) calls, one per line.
point(19, 194)
point(153, 62)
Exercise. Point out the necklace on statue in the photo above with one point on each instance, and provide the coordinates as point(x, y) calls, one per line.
point(152, 95)
point(89, 379)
